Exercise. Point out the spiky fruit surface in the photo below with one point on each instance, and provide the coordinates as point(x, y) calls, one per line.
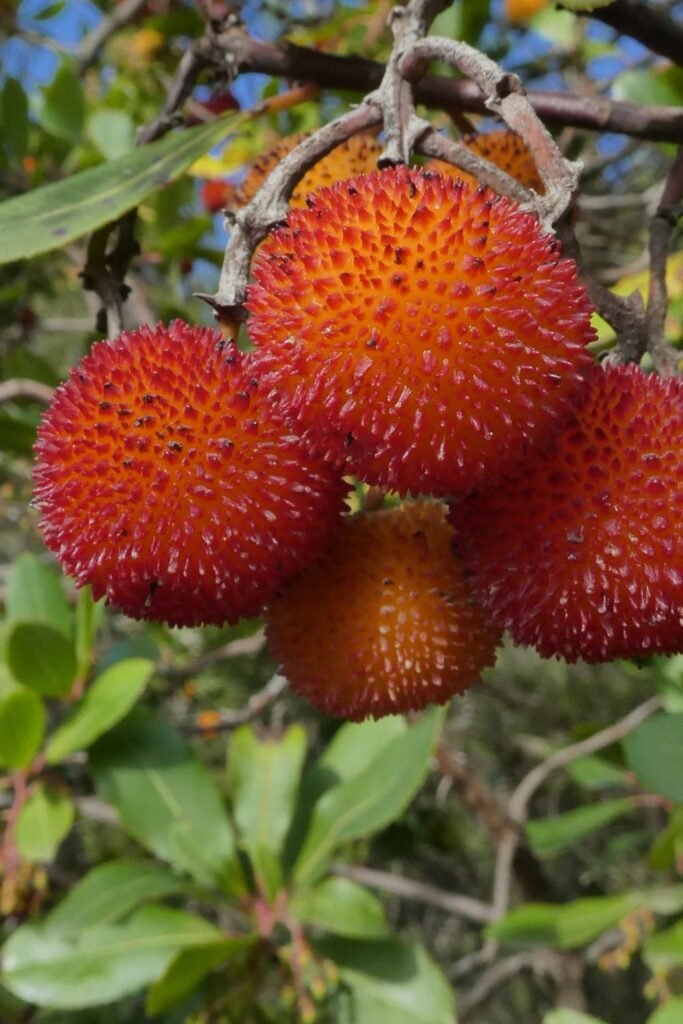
point(355, 156)
point(164, 481)
point(581, 554)
point(384, 621)
point(423, 330)
point(506, 150)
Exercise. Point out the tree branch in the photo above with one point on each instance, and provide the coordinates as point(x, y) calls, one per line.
point(410, 889)
point(666, 359)
point(23, 387)
point(592, 113)
point(93, 43)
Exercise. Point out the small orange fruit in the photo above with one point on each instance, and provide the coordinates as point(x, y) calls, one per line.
point(384, 621)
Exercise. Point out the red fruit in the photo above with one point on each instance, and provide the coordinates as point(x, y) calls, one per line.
point(423, 330)
point(384, 621)
point(215, 195)
point(581, 554)
point(164, 481)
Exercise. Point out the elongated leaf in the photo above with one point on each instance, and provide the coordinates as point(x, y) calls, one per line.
point(105, 703)
point(111, 891)
point(22, 726)
point(655, 753)
point(88, 618)
point(342, 907)
point(41, 657)
point(369, 802)
point(53, 215)
point(264, 778)
point(35, 594)
point(595, 772)
point(352, 749)
point(550, 836)
point(102, 963)
point(165, 797)
point(45, 819)
point(570, 925)
point(391, 982)
point(187, 970)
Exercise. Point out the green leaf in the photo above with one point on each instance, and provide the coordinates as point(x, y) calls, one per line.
point(88, 618)
point(670, 1013)
point(51, 216)
point(391, 982)
point(22, 726)
point(264, 778)
point(35, 594)
point(64, 105)
point(656, 86)
point(342, 907)
point(368, 802)
point(45, 819)
point(112, 131)
point(111, 891)
point(669, 844)
point(655, 753)
point(595, 772)
point(16, 434)
point(188, 969)
point(104, 704)
point(99, 964)
point(267, 869)
point(352, 748)
point(41, 657)
point(567, 1016)
point(550, 836)
point(165, 797)
point(664, 951)
point(529, 925)
point(14, 118)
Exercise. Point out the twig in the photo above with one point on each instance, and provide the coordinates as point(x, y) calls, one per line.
point(625, 314)
point(505, 97)
point(666, 359)
point(229, 718)
point(269, 206)
point(519, 801)
point(236, 49)
point(233, 649)
point(409, 24)
point(24, 387)
point(650, 25)
point(92, 44)
point(409, 889)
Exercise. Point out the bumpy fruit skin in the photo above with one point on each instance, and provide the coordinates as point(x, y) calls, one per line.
point(581, 554)
point(422, 330)
point(384, 621)
point(506, 150)
point(355, 156)
point(164, 481)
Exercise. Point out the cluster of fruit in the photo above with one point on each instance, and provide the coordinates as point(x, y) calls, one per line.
point(419, 333)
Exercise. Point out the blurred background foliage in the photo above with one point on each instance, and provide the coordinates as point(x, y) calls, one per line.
point(185, 840)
